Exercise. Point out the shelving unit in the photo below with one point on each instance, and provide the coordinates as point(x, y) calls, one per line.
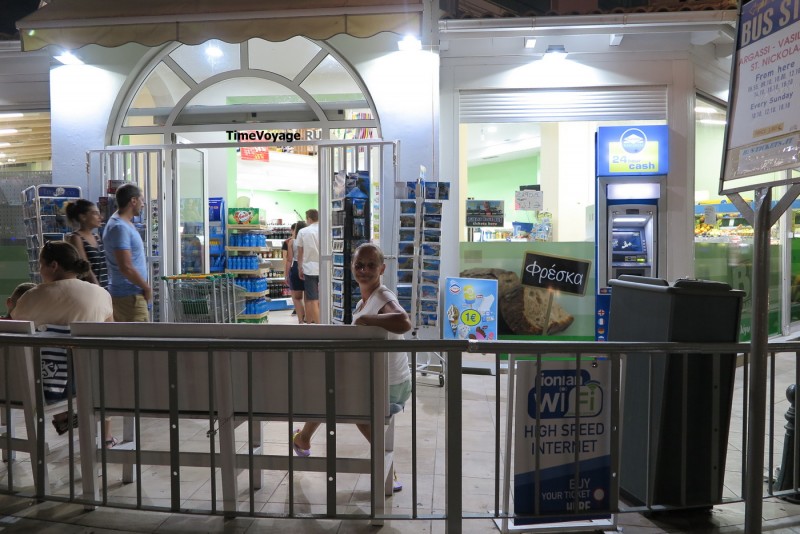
point(265, 284)
point(216, 234)
point(350, 217)
point(45, 219)
point(418, 260)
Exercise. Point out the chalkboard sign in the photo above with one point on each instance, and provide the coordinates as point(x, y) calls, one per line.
point(557, 273)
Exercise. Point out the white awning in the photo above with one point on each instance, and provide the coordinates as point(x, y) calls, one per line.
point(72, 24)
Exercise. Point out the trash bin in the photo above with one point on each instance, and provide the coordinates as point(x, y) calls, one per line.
point(675, 407)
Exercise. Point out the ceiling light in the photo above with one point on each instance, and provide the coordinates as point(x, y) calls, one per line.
point(555, 52)
point(615, 39)
point(68, 58)
point(409, 43)
point(530, 42)
point(213, 51)
point(11, 115)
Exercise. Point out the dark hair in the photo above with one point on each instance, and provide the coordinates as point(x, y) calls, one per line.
point(299, 225)
point(125, 193)
point(312, 215)
point(21, 290)
point(77, 208)
point(66, 256)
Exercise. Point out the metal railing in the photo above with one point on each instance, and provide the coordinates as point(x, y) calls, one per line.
point(195, 467)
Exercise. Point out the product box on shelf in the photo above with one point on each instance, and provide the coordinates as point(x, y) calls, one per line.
point(245, 216)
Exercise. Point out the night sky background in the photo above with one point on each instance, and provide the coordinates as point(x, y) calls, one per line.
point(10, 12)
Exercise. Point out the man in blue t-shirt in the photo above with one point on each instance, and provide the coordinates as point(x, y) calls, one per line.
point(125, 256)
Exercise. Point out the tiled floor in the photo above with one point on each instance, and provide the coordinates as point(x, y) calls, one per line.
point(353, 497)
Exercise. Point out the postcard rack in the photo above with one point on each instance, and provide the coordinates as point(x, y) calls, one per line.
point(418, 263)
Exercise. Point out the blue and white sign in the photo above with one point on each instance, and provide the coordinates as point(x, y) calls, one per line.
point(565, 392)
point(632, 150)
point(470, 305)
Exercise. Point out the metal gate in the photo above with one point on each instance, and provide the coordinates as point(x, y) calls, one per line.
point(108, 169)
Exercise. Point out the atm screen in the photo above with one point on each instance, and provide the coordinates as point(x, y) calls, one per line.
point(627, 241)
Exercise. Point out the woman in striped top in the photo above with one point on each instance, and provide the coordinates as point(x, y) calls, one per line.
point(86, 216)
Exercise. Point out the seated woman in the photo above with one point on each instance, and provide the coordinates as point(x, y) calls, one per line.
point(62, 298)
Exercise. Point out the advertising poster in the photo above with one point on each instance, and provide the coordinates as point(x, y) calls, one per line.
point(565, 392)
point(470, 305)
point(765, 115)
point(485, 213)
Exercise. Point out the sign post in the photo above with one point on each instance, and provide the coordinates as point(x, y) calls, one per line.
point(761, 137)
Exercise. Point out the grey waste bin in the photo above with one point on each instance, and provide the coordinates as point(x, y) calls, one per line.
point(675, 407)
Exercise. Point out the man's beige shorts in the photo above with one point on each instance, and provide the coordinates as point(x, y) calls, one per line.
point(131, 309)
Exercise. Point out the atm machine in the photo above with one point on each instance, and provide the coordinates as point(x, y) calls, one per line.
point(632, 168)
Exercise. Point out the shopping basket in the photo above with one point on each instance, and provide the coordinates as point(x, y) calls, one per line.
point(203, 298)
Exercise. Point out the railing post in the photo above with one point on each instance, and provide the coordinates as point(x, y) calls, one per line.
point(453, 448)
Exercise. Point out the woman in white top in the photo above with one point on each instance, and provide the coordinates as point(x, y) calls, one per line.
point(378, 307)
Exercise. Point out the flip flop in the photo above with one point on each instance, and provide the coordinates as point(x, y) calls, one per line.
point(111, 442)
point(396, 485)
point(302, 453)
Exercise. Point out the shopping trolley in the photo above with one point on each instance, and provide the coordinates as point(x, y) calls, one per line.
point(203, 298)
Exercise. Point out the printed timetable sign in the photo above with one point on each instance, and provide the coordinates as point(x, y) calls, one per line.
point(574, 416)
point(632, 150)
point(762, 132)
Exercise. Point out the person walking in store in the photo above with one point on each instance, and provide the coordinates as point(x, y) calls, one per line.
point(378, 307)
point(125, 256)
point(86, 216)
point(308, 264)
point(296, 285)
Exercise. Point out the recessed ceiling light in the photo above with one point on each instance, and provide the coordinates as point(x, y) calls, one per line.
point(555, 52)
point(530, 42)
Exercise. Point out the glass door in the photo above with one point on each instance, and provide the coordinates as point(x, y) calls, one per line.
point(191, 205)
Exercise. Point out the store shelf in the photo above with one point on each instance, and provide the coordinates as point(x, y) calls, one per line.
point(248, 227)
point(255, 294)
point(253, 272)
point(250, 317)
point(248, 249)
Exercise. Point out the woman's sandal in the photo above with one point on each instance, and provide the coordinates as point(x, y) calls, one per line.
point(302, 453)
point(396, 485)
point(111, 442)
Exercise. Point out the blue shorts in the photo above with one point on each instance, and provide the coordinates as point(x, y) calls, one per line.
point(312, 287)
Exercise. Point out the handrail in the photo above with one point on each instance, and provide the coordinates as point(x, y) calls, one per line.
point(415, 345)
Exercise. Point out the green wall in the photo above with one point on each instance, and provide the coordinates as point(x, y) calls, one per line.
point(13, 270)
point(498, 181)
